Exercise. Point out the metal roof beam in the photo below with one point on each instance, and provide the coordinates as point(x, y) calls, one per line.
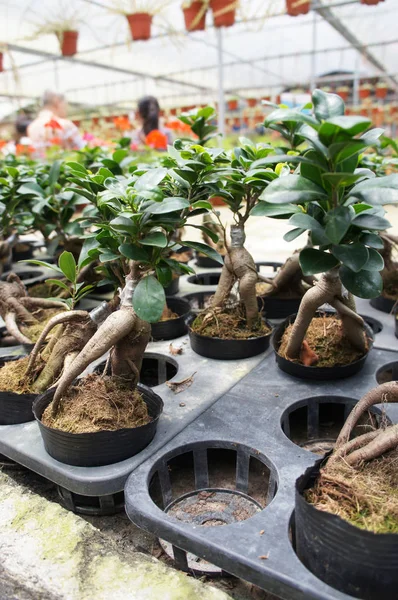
point(336, 23)
point(114, 69)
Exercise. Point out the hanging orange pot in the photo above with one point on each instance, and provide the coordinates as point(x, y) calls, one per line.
point(297, 7)
point(381, 91)
point(251, 102)
point(364, 92)
point(232, 104)
point(195, 16)
point(343, 93)
point(1, 62)
point(371, 2)
point(69, 43)
point(223, 12)
point(140, 25)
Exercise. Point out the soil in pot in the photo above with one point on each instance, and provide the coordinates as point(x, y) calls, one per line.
point(325, 344)
point(13, 378)
point(33, 331)
point(99, 403)
point(366, 497)
point(228, 324)
point(44, 290)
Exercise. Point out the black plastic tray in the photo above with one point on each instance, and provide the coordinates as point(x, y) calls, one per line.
point(252, 420)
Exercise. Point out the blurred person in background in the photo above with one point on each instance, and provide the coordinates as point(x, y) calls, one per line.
point(51, 127)
point(21, 144)
point(151, 133)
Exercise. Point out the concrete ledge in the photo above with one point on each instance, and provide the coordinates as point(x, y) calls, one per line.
point(50, 553)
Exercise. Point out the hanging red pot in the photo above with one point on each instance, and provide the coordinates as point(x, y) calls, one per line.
point(297, 7)
point(371, 2)
point(232, 104)
point(343, 93)
point(223, 12)
point(195, 16)
point(364, 92)
point(364, 112)
point(140, 25)
point(69, 43)
point(251, 102)
point(1, 62)
point(381, 91)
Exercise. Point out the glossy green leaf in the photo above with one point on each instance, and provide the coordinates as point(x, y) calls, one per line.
point(314, 261)
point(354, 256)
point(342, 128)
point(155, 238)
point(149, 299)
point(54, 172)
point(167, 205)
point(204, 249)
point(108, 256)
point(119, 155)
point(327, 106)
point(150, 179)
point(67, 264)
point(202, 204)
point(304, 221)
point(293, 234)
point(42, 263)
point(365, 284)
point(89, 245)
point(164, 274)
point(372, 240)
point(283, 115)
point(338, 221)
point(343, 150)
point(293, 189)
point(341, 179)
point(75, 166)
point(31, 188)
point(379, 190)
point(367, 221)
point(375, 261)
point(124, 225)
point(58, 283)
point(263, 209)
point(135, 253)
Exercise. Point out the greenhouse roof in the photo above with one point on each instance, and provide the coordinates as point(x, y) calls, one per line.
point(264, 53)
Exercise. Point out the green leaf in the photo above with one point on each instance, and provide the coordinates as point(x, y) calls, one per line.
point(42, 263)
point(367, 221)
point(371, 137)
point(167, 205)
point(341, 151)
point(150, 179)
point(283, 115)
point(155, 238)
point(135, 253)
point(213, 236)
point(314, 261)
point(202, 204)
point(58, 283)
point(75, 166)
point(89, 245)
point(263, 209)
point(293, 234)
point(304, 221)
point(340, 129)
point(372, 240)
point(204, 249)
point(67, 264)
point(375, 261)
point(327, 106)
point(341, 179)
point(354, 256)
point(378, 190)
point(164, 274)
point(31, 189)
point(108, 256)
point(365, 284)
point(124, 224)
point(119, 155)
point(149, 299)
point(338, 221)
point(54, 172)
point(293, 189)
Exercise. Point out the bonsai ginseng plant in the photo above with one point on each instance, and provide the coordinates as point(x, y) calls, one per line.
point(351, 496)
point(341, 208)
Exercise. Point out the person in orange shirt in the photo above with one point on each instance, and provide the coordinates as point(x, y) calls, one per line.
point(151, 133)
point(51, 124)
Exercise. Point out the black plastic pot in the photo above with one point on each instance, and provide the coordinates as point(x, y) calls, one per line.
point(277, 308)
point(205, 279)
point(205, 262)
point(101, 447)
point(274, 265)
point(316, 373)
point(173, 288)
point(15, 408)
point(174, 328)
point(23, 250)
point(396, 324)
point(356, 562)
point(220, 349)
point(384, 304)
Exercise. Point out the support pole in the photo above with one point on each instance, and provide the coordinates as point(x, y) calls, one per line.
point(221, 99)
point(355, 87)
point(313, 52)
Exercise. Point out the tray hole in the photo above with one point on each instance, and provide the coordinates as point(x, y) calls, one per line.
point(388, 372)
point(315, 423)
point(156, 369)
point(205, 279)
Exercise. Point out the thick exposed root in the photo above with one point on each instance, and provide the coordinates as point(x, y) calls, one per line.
point(326, 291)
point(12, 328)
point(127, 354)
point(41, 303)
point(290, 279)
point(116, 326)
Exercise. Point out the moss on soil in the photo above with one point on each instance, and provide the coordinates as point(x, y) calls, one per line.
point(13, 379)
point(44, 290)
point(228, 324)
point(365, 496)
point(98, 404)
point(326, 338)
point(43, 316)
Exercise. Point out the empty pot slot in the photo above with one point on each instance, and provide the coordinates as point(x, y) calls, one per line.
point(315, 423)
point(388, 372)
point(374, 324)
point(205, 279)
point(156, 369)
point(91, 505)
